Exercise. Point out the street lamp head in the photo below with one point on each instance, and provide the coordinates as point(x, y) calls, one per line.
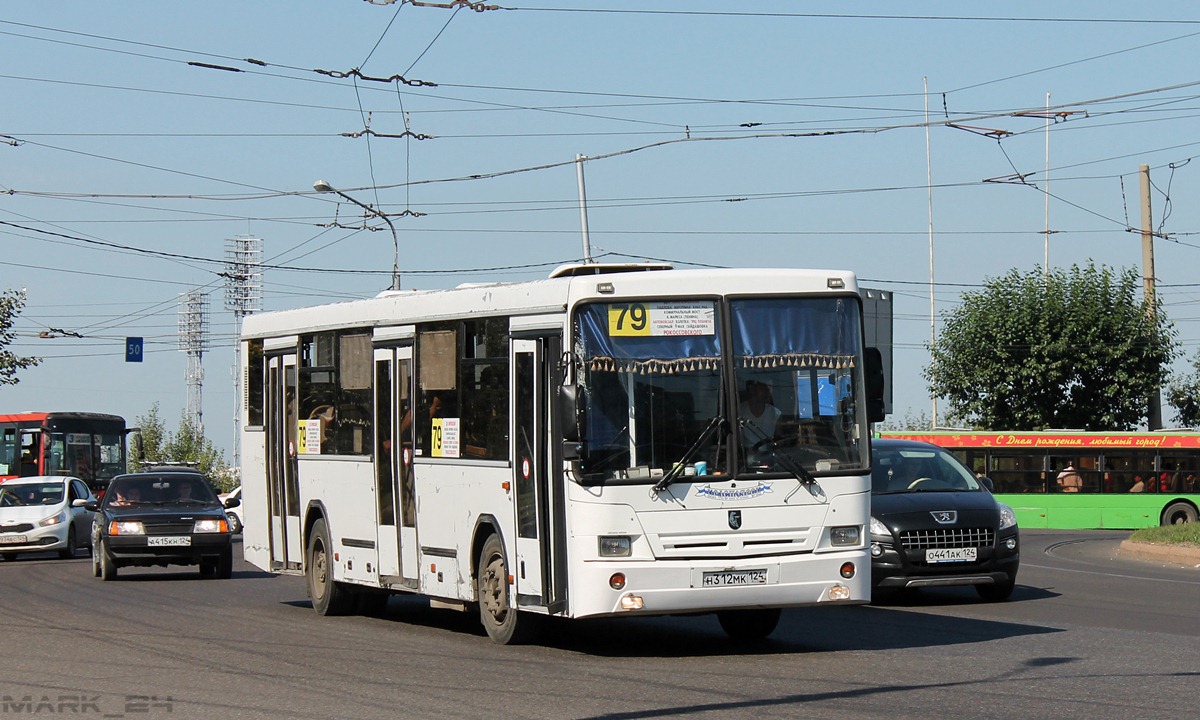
point(323, 187)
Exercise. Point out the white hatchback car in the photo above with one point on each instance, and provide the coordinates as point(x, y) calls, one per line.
point(235, 512)
point(38, 514)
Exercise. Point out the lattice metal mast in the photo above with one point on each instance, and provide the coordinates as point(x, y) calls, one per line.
point(193, 340)
point(243, 295)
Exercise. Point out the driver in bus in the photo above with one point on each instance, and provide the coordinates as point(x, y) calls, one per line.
point(758, 411)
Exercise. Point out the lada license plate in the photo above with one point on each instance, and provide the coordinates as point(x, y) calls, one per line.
point(169, 541)
point(13, 539)
point(727, 578)
point(951, 555)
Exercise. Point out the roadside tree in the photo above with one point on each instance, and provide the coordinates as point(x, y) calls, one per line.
point(186, 446)
point(11, 303)
point(1068, 349)
point(1184, 396)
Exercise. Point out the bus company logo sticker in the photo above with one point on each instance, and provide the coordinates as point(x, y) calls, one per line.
point(945, 517)
point(734, 493)
point(735, 519)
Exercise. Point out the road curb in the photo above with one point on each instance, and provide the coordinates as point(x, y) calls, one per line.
point(1173, 554)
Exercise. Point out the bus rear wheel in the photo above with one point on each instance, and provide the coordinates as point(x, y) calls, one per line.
point(328, 597)
point(504, 624)
point(748, 625)
point(1179, 513)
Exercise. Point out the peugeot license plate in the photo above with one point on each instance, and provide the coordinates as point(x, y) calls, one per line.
point(727, 578)
point(169, 541)
point(951, 555)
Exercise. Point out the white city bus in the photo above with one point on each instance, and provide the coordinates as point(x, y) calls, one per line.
point(579, 446)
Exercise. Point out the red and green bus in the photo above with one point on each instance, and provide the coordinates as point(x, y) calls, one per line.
point(89, 446)
point(1117, 480)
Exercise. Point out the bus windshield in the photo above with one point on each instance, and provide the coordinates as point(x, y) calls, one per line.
point(784, 375)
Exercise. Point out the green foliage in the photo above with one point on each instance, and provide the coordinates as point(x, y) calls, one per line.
point(1185, 534)
point(186, 446)
point(1184, 396)
point(11, 303)
point(909, 423)
point(1068, 349)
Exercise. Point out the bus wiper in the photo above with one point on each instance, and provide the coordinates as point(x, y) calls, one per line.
point(787, 461)
point(677, 469)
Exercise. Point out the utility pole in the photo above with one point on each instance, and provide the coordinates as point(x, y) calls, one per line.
point(583, 219)
point(1154, 401)
point(932, 300)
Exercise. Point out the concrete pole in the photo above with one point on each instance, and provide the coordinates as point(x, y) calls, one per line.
point(587, 241)
point(1154, 401)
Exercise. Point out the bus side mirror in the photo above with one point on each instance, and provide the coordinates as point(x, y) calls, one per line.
point(874, 377)
point(568, 413)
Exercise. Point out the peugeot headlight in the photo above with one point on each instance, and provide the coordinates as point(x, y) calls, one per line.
point(878, 528)
point(60, 517)
point(1008, 518)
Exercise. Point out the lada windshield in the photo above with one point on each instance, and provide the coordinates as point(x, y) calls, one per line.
point(720, 387)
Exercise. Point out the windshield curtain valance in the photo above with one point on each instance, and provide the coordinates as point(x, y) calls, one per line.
point(795, 333)
point(642, 355)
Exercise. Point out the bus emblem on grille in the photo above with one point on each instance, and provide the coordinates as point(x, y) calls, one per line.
point(945, 517)
point(735, 519)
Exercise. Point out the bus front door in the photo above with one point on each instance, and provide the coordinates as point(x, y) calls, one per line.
point(538, 569)
point(395, 505)
point(283, 496)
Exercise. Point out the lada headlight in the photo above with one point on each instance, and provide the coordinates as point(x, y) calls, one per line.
point(211, 526)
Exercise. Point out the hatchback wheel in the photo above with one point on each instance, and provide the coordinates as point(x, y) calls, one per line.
point(997, 591)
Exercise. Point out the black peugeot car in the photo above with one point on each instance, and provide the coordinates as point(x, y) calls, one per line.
point(934, 523)
point(161, 517)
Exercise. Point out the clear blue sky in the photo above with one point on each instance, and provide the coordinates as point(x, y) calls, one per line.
point(783, 134)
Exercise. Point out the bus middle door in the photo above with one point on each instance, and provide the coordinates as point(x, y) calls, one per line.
point(396, 509)
point(538, 569)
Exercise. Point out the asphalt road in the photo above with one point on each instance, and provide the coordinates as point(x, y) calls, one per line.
point(1086, 634)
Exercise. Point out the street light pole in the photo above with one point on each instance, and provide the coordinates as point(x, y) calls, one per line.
point(323, 187)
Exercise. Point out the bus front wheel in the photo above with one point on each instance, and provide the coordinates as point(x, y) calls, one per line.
point(1179, 513)
point(505, 625)
point(747, 625)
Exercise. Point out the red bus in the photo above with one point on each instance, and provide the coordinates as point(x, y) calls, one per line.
point(89, 446)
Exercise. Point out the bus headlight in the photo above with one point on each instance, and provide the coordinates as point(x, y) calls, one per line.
point(616, 546)
point(845, 536)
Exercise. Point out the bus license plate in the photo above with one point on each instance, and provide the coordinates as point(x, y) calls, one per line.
point(169, 540)
point(734, 578)
point(13, 540)
point(951, 555)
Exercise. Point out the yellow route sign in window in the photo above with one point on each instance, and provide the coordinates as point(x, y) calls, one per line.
point(661, 319)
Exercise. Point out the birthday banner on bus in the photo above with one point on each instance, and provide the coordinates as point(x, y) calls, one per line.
point(1055, 440)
